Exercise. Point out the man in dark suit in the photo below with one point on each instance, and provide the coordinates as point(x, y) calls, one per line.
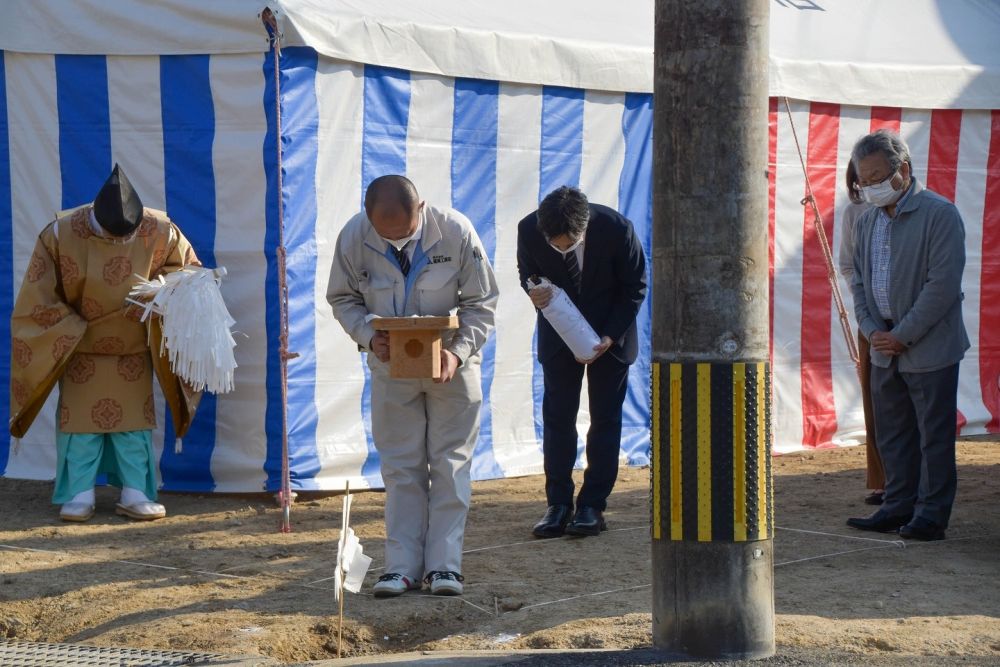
point(592, 253)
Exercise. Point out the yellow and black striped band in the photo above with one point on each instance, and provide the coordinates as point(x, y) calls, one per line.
point(711, 452)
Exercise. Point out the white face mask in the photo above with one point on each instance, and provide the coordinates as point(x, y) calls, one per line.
point(399, 243)
point(569, 249)
point(881, 194)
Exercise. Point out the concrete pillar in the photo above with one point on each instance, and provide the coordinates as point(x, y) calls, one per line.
point(713, 590)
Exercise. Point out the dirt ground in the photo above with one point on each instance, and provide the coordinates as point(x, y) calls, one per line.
point(217, 576)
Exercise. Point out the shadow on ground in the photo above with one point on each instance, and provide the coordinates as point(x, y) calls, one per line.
point(217, 575)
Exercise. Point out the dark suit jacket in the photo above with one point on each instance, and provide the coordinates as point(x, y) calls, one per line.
point(612, 282)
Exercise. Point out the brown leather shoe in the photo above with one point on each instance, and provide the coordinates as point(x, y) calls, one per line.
point(553, 524)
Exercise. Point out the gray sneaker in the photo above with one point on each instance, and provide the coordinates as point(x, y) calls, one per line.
point(445, 582)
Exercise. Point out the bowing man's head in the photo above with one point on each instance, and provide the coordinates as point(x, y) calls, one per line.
point(563, 216)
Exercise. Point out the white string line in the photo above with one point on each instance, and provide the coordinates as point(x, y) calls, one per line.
point(900, 542)
point(216, 574)
point(543, 541)
point(425, 598)
point(488, 613)
point(537, 542)
point(126, 562)
point(846, 537)
point(890, 545)
point(512, 582)
point(239, 566)
point(585, 595)
point(319, 581)
point(887, 544)
point(309, 585)
point(631, 588)
point(179, 569)
point(925, 543)
point(429, 598)
point(164, 567)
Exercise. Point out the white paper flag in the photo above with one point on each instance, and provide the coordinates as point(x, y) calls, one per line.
point(352, 563)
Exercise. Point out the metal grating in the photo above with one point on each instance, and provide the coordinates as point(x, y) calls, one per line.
point(33, 654)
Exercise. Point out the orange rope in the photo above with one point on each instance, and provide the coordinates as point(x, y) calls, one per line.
point(831, 274)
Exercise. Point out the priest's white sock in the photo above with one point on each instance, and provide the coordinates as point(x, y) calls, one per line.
point(132, 496)
point(85, 497)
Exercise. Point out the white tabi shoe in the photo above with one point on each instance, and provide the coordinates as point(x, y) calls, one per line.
point(80, 508)
point(135, 505)
point(78, 512)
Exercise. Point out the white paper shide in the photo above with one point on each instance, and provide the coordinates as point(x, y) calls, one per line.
point(195, 323)
point(352, 563)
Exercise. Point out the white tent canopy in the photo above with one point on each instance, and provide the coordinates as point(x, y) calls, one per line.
point(924, 54)
point(927, 54)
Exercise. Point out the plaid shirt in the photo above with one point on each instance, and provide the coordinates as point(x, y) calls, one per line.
point(881, 256)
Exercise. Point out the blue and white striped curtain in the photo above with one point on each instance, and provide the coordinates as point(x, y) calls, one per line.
point(197, 135)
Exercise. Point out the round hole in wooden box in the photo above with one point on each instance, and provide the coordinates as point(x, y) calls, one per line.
point(414, 348)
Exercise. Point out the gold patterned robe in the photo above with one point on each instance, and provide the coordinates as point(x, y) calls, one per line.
point(70, 325)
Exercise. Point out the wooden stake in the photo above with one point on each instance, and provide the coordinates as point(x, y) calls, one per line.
point(343, 531)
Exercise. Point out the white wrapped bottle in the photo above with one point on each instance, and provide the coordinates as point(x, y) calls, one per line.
point(566, 319)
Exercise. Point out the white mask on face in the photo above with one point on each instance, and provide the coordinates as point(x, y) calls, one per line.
point(399, 243)
point(570, 249)
point(881, 194)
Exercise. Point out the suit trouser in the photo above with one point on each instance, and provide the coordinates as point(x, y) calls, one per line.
point(607, 380)
point(425, 434)
point(875, 477)
point(915, 431)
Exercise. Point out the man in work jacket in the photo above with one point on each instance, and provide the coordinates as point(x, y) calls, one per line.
point(401, 257)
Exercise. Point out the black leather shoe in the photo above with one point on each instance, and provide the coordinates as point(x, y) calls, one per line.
point(553, 524)
point(875, 498)
point(587, 521)
point(922, 529)
point(880, 522)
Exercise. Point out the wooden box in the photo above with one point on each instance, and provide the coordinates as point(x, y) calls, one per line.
point(415, 344)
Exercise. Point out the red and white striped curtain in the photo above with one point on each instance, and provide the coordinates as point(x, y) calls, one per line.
point(956, 153)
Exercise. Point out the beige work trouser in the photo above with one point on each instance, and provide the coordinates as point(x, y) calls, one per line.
point(425, 434)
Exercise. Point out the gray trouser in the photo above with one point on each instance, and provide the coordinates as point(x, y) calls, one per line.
point(425, 434)
point(915, 417)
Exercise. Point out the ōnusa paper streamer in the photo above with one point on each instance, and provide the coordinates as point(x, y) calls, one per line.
point(195, 324)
